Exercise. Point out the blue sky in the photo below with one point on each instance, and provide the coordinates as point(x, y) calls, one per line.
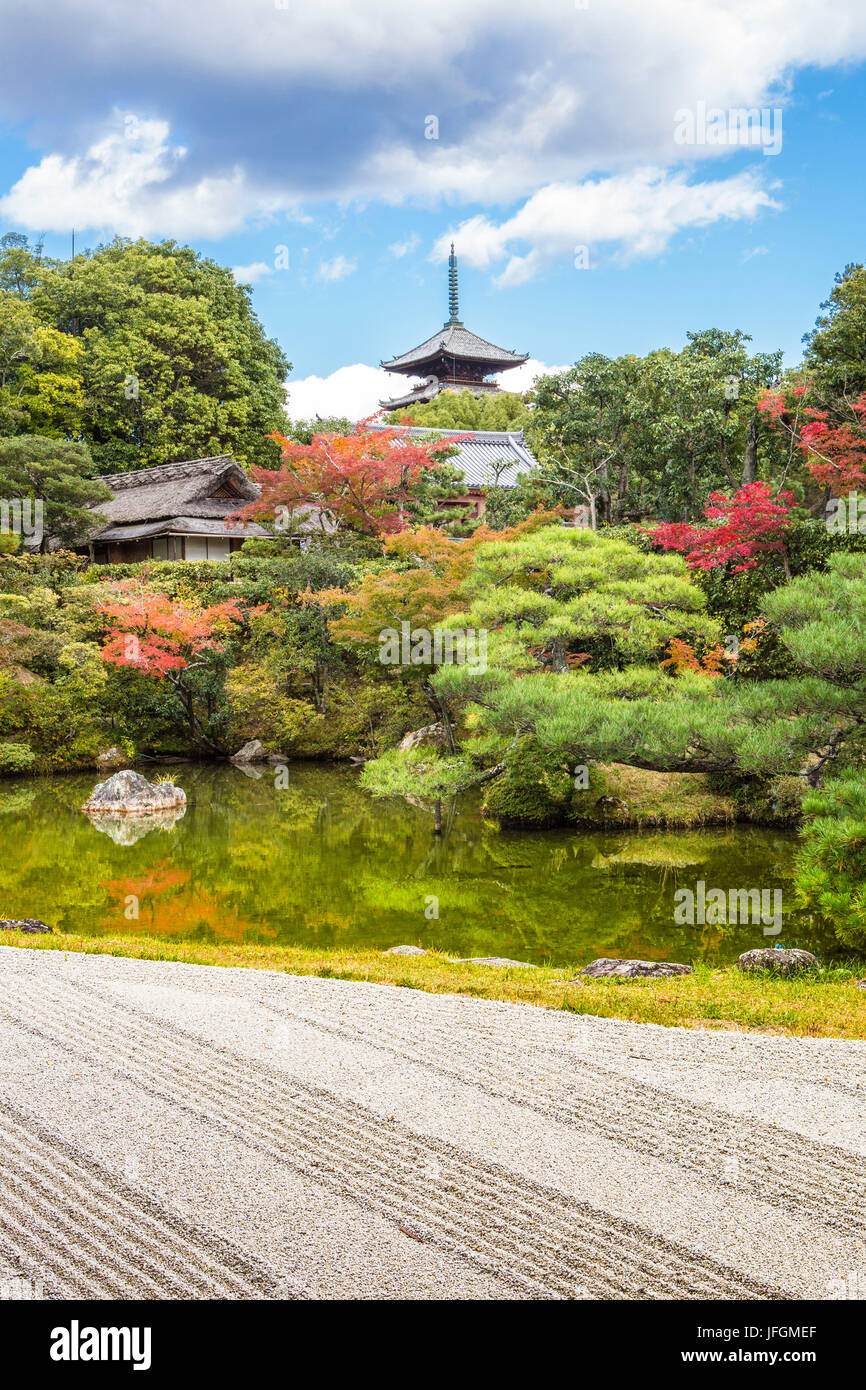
point(246, 126)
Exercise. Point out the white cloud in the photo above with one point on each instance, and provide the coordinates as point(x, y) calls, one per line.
point(352, 391)
point(638, 213)
point(357, 390)
point(131, 181)
point(252, 273)
point(528, 104)
point(402, 248)
point(337, 269)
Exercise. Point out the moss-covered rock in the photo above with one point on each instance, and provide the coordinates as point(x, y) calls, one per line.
point(536, 789)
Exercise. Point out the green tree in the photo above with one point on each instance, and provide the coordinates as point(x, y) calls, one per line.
point(173, 361)
point(462, 410)
point(836, 346)
point(58, 475)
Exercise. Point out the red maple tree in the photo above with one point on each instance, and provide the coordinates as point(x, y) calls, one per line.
point(166, 638)
point(741, 529)
point(160, 635)
point(834, 444)
point(360, 479)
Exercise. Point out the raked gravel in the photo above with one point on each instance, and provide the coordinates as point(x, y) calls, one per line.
point(185, 1131)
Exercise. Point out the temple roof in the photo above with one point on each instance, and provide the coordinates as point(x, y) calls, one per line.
point(481, 454)
point(455, 340)
point(209, 487)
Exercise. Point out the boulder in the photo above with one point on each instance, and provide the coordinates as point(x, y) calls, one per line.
point(432, 735)
point(778, 961)
point(633, 969)
point(31, 925)
point(252, 752)
point(405, 951)
point(128, 793)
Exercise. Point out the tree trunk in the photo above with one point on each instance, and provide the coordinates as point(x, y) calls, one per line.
point(750, 455)
point(437, 816)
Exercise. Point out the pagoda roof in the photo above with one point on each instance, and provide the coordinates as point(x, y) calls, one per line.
point(455, 340)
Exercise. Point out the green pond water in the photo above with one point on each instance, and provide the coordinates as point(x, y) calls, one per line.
point(318, 863)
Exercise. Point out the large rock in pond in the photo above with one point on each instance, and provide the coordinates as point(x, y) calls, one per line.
point(31, 925)
point(128, 793)
point(777, 961)
point(633, 969)
point(252, 752)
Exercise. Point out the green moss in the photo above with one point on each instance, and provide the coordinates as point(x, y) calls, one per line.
point(537, 789)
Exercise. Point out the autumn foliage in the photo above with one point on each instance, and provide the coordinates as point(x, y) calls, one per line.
point(834, 448)
point(361, 479)
point(159, 635)
point(739, 530)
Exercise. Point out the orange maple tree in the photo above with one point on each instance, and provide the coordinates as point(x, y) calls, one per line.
point(360, 479)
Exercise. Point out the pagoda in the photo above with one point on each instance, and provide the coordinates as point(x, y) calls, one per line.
point(453, 359)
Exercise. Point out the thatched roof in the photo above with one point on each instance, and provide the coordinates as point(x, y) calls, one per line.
point(208, 488)
point(192, 498)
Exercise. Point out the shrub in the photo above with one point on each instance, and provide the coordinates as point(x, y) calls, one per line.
point(15, 757)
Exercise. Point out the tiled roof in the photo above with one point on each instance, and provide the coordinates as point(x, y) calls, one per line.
point(478, 454)
point(455, 340)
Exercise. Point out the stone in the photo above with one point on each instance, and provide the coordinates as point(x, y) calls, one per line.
point(778, 961)
point(128, 793)
point(861, 984)
point(111, 757)
point(496, 960)
point(432, 735)
point(252, 752)
point(277, 758)
point(405, 951)
point(31, 925)
point(633, 969)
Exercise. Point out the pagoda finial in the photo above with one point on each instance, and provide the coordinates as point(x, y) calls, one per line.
point(453, 303)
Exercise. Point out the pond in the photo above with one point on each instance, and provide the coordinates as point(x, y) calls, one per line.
point(318, 863)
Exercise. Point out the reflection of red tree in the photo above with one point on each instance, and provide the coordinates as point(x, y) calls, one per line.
point(168, 905)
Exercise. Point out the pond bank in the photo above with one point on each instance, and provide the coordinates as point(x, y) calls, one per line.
point(826, 1005)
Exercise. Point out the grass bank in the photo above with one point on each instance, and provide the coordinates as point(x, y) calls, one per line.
point(828, 1005)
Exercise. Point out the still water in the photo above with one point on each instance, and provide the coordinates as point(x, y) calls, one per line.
point(318, 863)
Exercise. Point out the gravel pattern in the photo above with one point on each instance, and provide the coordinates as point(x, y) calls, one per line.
point(182, 1131)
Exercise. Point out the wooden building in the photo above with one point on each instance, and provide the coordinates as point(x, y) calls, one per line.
point(454, 359)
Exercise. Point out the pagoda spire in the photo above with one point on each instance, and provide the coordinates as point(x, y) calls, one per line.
point(453, 303)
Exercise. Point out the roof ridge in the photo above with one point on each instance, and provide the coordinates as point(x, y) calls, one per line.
point(181, 469)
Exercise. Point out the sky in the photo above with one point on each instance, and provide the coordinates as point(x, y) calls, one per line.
point(587, 157)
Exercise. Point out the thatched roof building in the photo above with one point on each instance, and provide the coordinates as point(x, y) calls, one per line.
point(175, 512)
point(178, 512)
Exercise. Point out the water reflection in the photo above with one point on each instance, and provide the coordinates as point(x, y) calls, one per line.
point(317, 862)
